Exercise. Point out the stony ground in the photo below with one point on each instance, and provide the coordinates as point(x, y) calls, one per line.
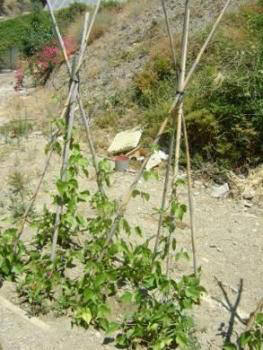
point(229, 249)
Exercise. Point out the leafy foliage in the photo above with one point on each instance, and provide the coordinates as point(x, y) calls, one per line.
point(19, 196)
point(251, 339)
point(223, 105)
point(11, 262)
point(31, 32)
point(90, 269)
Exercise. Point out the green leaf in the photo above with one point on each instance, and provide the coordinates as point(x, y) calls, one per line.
point(181, 340)
point(259, 319)
point(192, 292)
point(150, 174)
point(180, 182)
point(174, 244)
point(62, 186)
point(127, 297)
point(103, 311)
point(100, 279)
point(145, 196)
point(84, 196)
point(85, 315)
point(126, 226)
point(178, 210)
point(112, 327)
point(245, 338)
point(135, 193)
point(182, 254)
point(162, 343)
point(89, 295)
point(138, 231)
point(86, 173)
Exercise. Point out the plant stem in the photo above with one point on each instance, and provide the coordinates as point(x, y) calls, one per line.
point(165, 188)
point(91, 147)
point(190, 196)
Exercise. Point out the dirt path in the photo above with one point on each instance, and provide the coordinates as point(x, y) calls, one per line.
point(7, 81)
point(19, 333)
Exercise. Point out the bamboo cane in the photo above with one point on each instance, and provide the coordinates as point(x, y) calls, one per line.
point(178, 115)
point(180, 87)
point(179, 95)
point(72, 98)
point(181, 80)
point(84, 44)
point(70, 123)
point(169, 31)
point(190, 196)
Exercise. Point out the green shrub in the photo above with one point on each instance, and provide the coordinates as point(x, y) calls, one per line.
point(31, 32)
point(223, 103)
point(38, 33)
point(111, 4)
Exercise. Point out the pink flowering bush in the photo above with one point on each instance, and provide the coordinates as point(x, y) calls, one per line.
point(42, 64)
point(50, 56)
point(47, 58)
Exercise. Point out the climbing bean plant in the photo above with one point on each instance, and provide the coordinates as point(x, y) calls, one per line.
point(86, 284)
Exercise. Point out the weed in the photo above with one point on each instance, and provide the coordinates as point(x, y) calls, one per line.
point(106, 120)
point(251, 339)
point(16, 128)
point(19, 195)
point(11, 263)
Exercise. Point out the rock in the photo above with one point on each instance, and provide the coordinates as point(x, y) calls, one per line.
point(125, 141)
point(220, 191)
point(248, 204)
point(29, 82)
point(248, 194)
point(156, 158)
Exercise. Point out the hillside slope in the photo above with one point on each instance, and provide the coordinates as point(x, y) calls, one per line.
point(14, 7)
point(129, 76)
point(122, 51)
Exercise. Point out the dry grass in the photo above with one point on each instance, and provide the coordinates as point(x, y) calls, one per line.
point(75, 29)
point(103, 22)
point(250, 186)
point(39, 109)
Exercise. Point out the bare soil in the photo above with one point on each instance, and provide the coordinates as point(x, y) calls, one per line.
point(229, 250)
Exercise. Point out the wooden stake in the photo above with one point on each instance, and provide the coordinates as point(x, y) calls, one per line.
point(70, 122)
point(190, 196)
point(70, 106)
point(180, 89)
point(178, 98)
